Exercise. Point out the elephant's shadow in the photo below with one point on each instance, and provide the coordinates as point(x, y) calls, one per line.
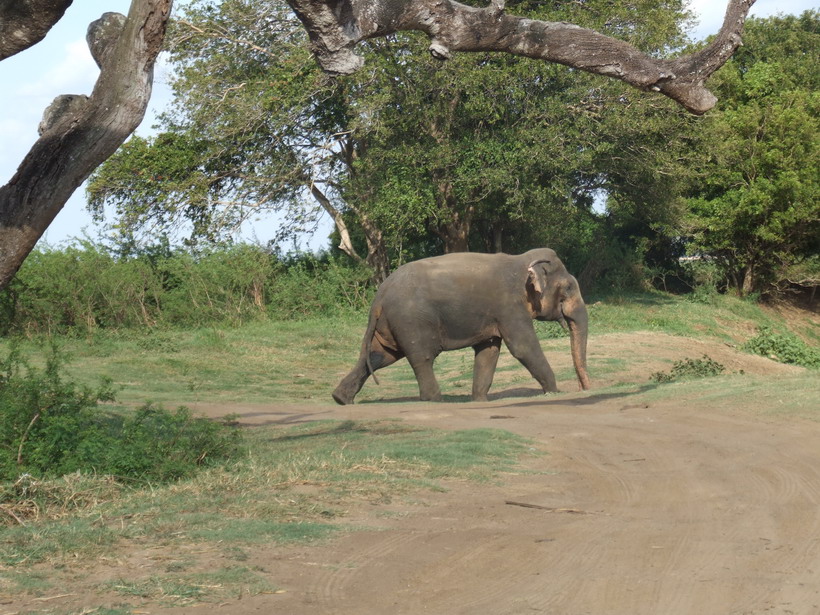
point(537, 396)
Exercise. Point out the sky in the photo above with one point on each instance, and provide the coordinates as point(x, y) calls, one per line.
point(62, 64)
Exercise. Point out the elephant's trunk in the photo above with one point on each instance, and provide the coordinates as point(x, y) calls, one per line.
point(575, 313)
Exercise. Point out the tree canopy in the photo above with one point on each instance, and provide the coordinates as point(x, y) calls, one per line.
point(80, 133)
point(413, 156)
point(756, 204)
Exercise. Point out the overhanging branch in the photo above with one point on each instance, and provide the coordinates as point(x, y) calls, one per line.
point(24, 23)
point(335, 26)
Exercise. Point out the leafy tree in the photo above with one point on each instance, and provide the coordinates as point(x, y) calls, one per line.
point(412, 148)
point(756, 204)
point(74, 141)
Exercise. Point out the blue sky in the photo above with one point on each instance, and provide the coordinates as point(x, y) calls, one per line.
point(61, 64)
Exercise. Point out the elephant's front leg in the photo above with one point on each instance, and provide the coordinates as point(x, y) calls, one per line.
point(523, 345)
point(486, 358)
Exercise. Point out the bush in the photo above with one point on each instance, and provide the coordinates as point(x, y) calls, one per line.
point(783, 347)
point(50, 427)
point(690, 368)
point(87, 287)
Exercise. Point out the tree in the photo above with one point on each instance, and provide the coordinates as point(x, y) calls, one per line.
point(411, 146)
point(255, 127)
point(24, 23)
point(78, 132)
point(334, 27)
point(508, 143)
point(756, 203)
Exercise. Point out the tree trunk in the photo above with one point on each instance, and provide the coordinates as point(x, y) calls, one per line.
point(748, 280)
point(335, 26)
point(455, 229)
point(497, 238)
point(455, 235)
point(79, 133)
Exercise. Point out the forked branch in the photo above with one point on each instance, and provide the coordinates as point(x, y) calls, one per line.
point(335, 26)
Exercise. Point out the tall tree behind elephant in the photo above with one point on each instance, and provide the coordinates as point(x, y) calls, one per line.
point(464, 299)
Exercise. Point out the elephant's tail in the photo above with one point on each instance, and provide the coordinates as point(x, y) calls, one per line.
point(367, 343)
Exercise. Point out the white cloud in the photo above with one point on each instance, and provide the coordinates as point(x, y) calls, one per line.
point(75, 73)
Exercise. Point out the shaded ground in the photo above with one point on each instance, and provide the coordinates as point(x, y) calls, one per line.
point(678, 499)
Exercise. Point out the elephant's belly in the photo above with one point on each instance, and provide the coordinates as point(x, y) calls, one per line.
point(456, 338)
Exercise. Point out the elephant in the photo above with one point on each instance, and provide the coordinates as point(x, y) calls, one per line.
point(470, 299)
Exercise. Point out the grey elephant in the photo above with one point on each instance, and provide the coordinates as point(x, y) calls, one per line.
point(467, 299)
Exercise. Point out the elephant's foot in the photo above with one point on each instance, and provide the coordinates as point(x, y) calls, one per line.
point(341, 397)
point(431, 396)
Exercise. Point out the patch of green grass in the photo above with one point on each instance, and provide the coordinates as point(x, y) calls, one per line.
point(293, 484)
point(785, 396)
point(303, 360)
point(25, 582)
point(192, 588)
point(724, 317)
point(36, 542)
point(253, 531)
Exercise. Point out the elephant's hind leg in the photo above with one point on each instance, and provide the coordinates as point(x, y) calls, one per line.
point(380, 356)
point(428, 385)
point(486, 358)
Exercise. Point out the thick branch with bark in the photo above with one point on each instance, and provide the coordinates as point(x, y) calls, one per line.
point(335, 26)
point(24, 23)
point(78, 133)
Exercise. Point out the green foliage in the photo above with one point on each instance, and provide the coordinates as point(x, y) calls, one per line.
point(161, 445)
point(51, 427)
point(88, 287)
point(755, 207)
point(486, 151)
point(783, 347)
point(47, 425)
point(690, 368)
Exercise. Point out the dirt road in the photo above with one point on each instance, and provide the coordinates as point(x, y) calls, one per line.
point(649, 508)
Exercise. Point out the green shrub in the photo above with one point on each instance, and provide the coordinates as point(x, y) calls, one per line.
point(690, 368)
point(783, 347)
point(50, 427)
point(87, 287)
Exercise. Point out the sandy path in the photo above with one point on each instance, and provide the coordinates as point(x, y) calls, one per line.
point(645, 509)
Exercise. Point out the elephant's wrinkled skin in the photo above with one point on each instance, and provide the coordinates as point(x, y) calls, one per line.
point(467, 299)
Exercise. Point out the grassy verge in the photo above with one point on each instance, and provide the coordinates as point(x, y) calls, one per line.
point(293, 484)
point(303, 360)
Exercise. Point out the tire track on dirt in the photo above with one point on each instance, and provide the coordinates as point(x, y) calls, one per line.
point(614, 486)
point(330, 587)
point(686, 512)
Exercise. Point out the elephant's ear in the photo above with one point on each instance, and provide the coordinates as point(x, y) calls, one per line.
point(536, 284)
point(537, 276)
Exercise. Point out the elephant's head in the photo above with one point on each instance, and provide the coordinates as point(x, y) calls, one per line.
point(554, 294)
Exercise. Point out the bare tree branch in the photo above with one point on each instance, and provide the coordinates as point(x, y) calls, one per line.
point(24, 23)
point(345, 244)
point(79, 133)
point(335, 26)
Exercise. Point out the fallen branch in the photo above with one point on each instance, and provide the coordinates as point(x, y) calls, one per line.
point(570, 511)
